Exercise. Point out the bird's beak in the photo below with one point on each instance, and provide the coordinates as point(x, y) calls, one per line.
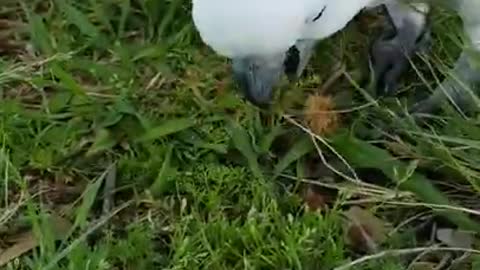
point(257, 76)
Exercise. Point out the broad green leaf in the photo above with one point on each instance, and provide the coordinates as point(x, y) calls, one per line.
point(67, 80)
point(266, 141)
point(298, 150)
point(59, 101)
point(42, 157)
point(217, 147)
point(168, 127)
point(103, 141)
point(193, 138)
point(39, 34)
point(150, 52)
point(111, 118)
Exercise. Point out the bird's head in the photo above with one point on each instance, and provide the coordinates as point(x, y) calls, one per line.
point(255, 35)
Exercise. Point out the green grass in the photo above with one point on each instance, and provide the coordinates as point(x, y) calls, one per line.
point(123, 92)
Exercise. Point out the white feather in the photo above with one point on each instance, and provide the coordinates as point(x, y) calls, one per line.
point(336, 16)
point(239, 28)
point(245, 27)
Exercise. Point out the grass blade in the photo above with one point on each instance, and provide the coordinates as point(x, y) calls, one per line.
point(89, 196)
point(242, 142)
point(126, 7)
point(161, 183)
point(267, 140)
point(77, 18)
point(363, 154)
point(168, 17)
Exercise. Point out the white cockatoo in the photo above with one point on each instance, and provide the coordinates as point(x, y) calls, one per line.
point(257, 36)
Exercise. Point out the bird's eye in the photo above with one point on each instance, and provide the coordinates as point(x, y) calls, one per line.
point(319, 15)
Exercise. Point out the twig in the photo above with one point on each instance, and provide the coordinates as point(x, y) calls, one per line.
point(417, 259)
point(10, 211)
point(108, 190)
point(400, 252)
point(333, 78)
point(408, 220)
point(323, 141)
point(445, 261)
point(439, 206)
point(357, 188)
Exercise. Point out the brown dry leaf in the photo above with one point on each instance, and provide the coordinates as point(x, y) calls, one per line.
point(320, 116)
point(364, 231)
point(314, 199)
point(367, 22)
point(26, 241)
point(57, 192)
point(4, 24)
point(7, 46)
point(8, 43)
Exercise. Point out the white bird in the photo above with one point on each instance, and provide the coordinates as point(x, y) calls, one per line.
point(258, 35)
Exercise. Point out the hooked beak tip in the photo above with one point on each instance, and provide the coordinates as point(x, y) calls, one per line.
point(261, 102)
point(257, 77)
point(259, 95)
